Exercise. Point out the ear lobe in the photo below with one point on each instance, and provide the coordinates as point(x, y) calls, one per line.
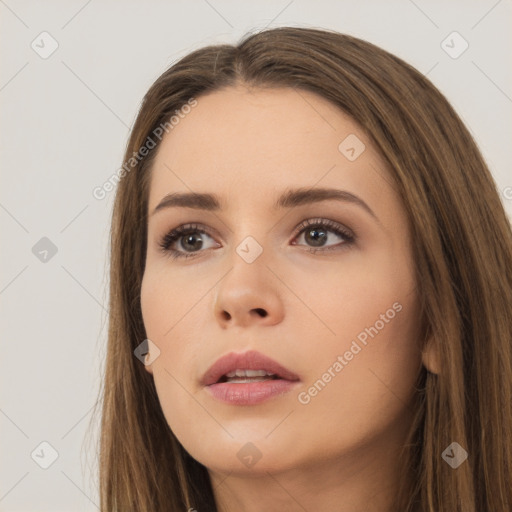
point(430, 357)
point(147, 366)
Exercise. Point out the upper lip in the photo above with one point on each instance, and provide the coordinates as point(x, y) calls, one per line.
point(251, 360)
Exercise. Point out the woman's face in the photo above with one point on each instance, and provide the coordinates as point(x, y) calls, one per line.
point(323, 286)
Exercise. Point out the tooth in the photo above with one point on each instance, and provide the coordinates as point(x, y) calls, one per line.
point(245, 381)
point(255, 373)
point(247, 373)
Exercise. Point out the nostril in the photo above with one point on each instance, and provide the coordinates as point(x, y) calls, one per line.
point(261, 312)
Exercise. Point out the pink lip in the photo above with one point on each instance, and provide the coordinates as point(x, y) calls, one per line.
point(251, 393)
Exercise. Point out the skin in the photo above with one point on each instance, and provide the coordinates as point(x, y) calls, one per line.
point(340, 450)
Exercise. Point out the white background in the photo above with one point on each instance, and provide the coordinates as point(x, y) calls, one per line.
point(65, 122)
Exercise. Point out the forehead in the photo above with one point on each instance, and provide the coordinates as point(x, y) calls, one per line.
point(251, 143)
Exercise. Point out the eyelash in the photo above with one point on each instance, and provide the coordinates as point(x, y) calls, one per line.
point(172, 236)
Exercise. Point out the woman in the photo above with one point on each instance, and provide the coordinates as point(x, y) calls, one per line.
point(310, 293)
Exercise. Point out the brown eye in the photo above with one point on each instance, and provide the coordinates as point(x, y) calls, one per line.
point(316, 234)
point(189, 238)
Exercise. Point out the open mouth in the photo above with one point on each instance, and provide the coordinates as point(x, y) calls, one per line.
point(245, 368)
point(247, 376)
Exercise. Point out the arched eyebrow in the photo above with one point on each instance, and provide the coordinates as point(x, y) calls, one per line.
point(291, 198)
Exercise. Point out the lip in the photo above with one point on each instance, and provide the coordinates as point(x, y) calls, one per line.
point(251, 393)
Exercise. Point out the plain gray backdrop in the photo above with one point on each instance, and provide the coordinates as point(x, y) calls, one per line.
point(73, 74)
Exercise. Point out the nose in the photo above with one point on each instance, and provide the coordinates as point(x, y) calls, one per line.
point(248, 294)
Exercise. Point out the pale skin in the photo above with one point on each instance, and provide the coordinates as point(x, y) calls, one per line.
point(339, 451)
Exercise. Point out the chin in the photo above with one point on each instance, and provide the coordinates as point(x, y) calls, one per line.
point(248, 457)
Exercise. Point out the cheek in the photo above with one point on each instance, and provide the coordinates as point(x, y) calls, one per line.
point(164, 315)
point(381, 361)
point(166, 298)
point(164, 312)
point(173, 307)
point(344, 300)
point(373, 382)
point(371, 315)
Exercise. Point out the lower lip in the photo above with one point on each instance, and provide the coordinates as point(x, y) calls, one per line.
point(251, 393)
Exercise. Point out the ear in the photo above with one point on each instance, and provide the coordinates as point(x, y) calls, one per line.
point(148, 367)
point(430, 357)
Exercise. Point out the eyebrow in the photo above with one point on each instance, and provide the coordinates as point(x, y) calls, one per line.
point(289, 199)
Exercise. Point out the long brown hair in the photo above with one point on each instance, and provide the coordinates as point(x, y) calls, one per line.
point(462, 243)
